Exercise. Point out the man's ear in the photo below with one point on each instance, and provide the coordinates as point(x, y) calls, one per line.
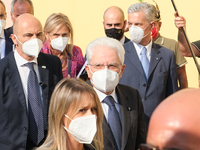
point(46, 37)
point(126, 29)
point(160, 24)
point(153, 25)
point(122, 70)
point(14, 39)
point(12, 18)
point(88, 71)
point(6, 15)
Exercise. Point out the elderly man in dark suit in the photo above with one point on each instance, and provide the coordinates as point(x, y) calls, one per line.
point(123, 124)
point(6, 42)
point(27, 81)
point(150, 68)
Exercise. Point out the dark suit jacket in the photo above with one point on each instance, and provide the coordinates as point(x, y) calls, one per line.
point(9, 43)
point(126, 40)
point(10, 30)
point(132, 118)
point(162, 78)
point(13, 110)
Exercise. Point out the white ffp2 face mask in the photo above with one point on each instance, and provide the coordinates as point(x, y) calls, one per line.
point(137, 33)
point(31, 47)
point(105, 80)
point(2, 25)
point(59, 43)
point(83, 129)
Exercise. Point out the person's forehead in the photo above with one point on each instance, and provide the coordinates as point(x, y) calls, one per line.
point(104, 54)
point(22, 7)
point(114, 16)
point(137, 17)
point(29, 27)
point(60, 29)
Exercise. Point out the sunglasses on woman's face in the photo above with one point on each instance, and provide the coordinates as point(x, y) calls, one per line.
point(150, 147)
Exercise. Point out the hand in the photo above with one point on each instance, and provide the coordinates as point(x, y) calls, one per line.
point(68, 76)
point(179, 21)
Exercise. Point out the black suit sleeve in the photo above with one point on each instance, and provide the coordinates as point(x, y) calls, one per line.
point(141, 132)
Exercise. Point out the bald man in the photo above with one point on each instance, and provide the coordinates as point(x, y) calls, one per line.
point(175, 122)
point(115, 24)
point(27, 80)
point(19, 7)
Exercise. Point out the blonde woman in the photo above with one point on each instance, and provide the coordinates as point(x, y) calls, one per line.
point(59, 41)
point(75, 118)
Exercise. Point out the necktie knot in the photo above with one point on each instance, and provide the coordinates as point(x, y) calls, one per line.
point(144, 51)
point(30, 66)
point(109, 100)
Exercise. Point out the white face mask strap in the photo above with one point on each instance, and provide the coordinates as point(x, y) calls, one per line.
point(145, 27)
point(68, 117)
point(18, 39)
point(49, 37)
point(146, 34)
point(14, 16)
point(120, 71)
point(90, 69)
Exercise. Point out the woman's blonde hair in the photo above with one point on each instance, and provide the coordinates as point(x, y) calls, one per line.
point(69, 92)
point(59, 20)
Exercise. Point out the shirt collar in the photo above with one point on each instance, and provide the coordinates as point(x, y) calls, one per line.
point(2, 36)
point(140, 47)
point(20, 60)
point(102, 95)
point(122, 40)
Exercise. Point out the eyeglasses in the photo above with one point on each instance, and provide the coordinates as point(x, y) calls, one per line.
point(113, 66)
point(150, 147)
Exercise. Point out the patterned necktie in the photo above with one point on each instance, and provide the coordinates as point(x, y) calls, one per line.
point(145, 62)
point(36, 120)
point(114, 121)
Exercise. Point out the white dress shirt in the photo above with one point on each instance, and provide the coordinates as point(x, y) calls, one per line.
point(122, 40)
point(105, 107)
point(24, 72)
point(2, 45)
point(139, 48)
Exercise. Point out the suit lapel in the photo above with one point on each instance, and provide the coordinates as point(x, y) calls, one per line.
point(125, 115)
point(16, 80)
point(44, 78)
point(107, 133)
point(133, 57)
point(9, 43)
point(155, 58)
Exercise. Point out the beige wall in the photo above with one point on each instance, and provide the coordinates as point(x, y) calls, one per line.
point(86, 18)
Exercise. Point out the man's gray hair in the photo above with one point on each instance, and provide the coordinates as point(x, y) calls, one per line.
point(108, 42)
point(21, 1)
point(149, 10)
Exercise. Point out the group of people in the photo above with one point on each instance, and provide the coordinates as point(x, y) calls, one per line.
point(43, 105)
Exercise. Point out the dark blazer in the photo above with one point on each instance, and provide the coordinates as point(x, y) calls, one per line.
point(162, 78)
point(13, 109)
point(126, 40)
point(132, 118)
point(10, 30)
point(9, 43)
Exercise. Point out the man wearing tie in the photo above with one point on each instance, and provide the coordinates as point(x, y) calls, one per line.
point(27, 80)
point(150, 68)
point(6, 42)
point(123, 124)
